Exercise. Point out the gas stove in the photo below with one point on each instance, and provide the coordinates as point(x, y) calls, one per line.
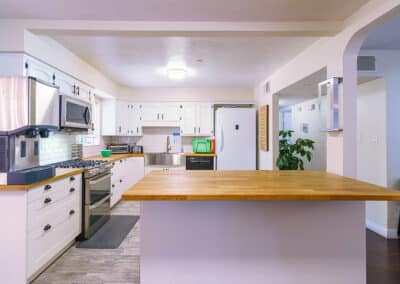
point(92, 167)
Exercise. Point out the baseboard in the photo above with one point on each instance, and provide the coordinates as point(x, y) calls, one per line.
point(382, 231)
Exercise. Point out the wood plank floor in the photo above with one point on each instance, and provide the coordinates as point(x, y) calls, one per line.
point(97, 266)
point(121, 266)
point(383, 260)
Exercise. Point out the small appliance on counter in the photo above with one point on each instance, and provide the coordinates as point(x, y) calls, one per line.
point(118, 148)
point(29, 108)
point(125, 148)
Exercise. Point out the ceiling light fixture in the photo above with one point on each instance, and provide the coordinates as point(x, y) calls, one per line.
point(176, 73)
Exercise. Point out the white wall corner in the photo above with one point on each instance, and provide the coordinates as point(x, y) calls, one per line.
point(381, 230)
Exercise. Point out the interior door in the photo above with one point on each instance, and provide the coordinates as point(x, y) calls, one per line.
point(236, 138)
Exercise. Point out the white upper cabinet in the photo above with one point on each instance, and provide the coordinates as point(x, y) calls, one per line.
point(35, 68)
point(121, 118)
point(198, 119)
point(66, 83)
point(205, 119)
point(71, 87)
point(161, 114)
point(189, 122)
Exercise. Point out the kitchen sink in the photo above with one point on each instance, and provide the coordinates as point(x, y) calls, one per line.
point(165, 159)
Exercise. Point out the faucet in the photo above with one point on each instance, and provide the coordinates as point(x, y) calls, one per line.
point(168, 144)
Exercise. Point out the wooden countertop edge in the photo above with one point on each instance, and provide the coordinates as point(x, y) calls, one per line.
point(43, 182)
point(200, 154)
point(113, 157)
point(131, 197)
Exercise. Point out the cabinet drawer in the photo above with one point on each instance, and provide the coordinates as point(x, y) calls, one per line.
point(52, 200)
point(47, 239)
point(58, 188)
point(39, 217)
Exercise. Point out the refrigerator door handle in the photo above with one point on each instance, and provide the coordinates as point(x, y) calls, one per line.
point(222, 140)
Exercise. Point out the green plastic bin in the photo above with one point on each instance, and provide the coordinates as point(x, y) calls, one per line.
point(201, 145)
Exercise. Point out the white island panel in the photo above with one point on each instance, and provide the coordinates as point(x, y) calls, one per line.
point(236, 242)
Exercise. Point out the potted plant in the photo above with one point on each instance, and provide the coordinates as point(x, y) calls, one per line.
point(291, 154)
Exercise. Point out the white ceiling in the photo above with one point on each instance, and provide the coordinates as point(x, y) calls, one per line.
point(387, 36)
point(224, 61)
point(302, 90)
point(181, 10)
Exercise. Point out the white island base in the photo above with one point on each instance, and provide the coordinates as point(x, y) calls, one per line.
point(253, 242)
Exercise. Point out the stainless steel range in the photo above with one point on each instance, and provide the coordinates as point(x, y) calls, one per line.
point(96, 193)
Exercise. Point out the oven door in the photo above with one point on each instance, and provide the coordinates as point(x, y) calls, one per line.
point(75, 113)
point(97, 206)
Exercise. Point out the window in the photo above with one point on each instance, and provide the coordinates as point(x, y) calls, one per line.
point(93, 136)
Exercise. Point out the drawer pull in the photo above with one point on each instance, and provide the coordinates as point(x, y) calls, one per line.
point(47, 200)
point(47, 227)
point(72, 178)
point(72, 212)
point(113, 185)
point(47, 187)
point(120, 180)
point(72, 189)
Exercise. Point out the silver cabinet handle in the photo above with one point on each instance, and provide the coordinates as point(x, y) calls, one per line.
point(95, 181)
point(99, 203)
point(162, 116)
point(194, 129)
point(199, 130)
point(158, 116)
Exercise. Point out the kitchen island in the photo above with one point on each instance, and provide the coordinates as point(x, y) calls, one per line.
point(253, 227)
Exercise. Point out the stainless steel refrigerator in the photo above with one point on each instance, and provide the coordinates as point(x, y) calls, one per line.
point(235, 138)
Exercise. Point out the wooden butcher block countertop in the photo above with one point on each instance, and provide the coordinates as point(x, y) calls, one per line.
point(254, 185)
point(113, 157)
point(200, 154)
point(64, 174)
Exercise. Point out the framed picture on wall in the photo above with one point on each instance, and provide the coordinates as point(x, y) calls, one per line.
point(263, 124)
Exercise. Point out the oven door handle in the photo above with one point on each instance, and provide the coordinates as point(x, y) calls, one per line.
point(100, 202)
point(95, 181)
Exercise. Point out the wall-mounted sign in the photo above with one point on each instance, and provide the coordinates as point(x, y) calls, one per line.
point(263, 128)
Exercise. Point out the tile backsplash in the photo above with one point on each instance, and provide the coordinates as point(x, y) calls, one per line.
point(154, 139)
point(55, 148)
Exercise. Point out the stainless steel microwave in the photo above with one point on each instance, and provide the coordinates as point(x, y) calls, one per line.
point(75, 113)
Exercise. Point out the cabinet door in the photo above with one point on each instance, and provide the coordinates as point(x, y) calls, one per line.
point(171, 112)
point(122, 115)
point(188, 126)
point(134, 119)
point(205, 119)
point(39, 70)
point(83, 91)
point(108, 117)
point(66, 83)
point(150, 112)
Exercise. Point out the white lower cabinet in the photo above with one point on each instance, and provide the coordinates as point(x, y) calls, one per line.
point(125, 173)
point(159, 168)
point(54, 220)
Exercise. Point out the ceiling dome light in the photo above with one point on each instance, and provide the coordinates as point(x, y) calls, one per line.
point(176, 73)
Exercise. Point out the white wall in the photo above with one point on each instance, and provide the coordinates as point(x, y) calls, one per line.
point(371, 147)
point(338, 54)
point(302, 113)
